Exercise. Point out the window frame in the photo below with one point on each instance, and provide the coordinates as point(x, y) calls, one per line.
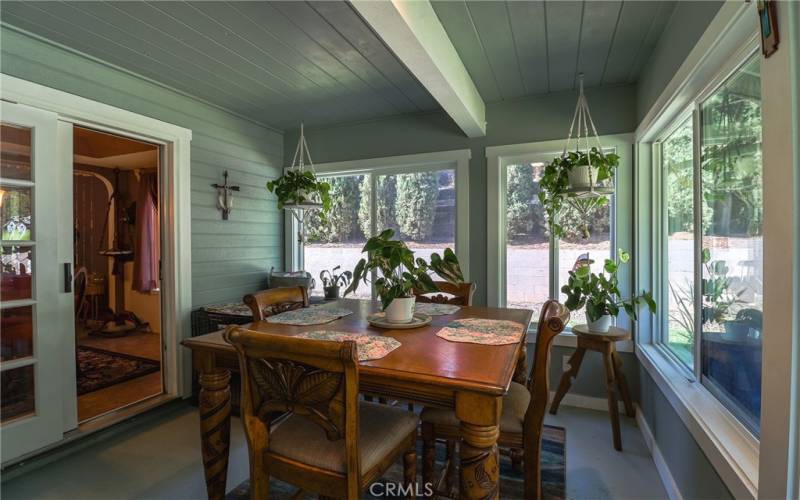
point(730, 447)
point(456, 160)
point(498, 158)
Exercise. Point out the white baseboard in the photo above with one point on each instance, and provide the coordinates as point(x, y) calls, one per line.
point(587, 402)
point(661, 466)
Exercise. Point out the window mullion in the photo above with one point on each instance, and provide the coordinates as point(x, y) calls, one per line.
point(373, 217)
point(698, 240)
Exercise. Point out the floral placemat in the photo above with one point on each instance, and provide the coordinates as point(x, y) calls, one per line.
point(309, 316)
point(233, 309)
point(483, 331)
point(369, 346)
point(436, 309)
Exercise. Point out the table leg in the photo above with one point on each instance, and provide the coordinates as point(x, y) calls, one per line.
point(215, 425)
point(622, 382)
point(566, 379)
point(613, 407)
point(479, 459)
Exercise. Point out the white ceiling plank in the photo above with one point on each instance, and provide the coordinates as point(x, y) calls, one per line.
point(413, 32)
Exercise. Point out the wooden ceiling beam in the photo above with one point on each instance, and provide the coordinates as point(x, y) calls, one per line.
point(413, 32)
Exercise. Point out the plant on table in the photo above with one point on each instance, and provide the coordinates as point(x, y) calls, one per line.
point(554, 187)
point(600, 295)
point(332, 281)
point(298, 187)
point(399, 273)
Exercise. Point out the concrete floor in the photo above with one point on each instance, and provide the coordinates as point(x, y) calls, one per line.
point(160, 459)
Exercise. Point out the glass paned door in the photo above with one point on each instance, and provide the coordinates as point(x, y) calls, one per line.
point(31, 411)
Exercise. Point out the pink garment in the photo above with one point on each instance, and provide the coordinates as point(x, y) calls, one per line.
point(148, 236)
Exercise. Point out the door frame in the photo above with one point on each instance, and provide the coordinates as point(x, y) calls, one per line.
point(175, 174)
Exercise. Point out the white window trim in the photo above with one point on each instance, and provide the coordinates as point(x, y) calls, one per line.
point(176, 230)
point(500, 157)
point(457, 160)
point(729, 446)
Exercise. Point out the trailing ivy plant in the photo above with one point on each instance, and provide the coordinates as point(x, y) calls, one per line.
point(399, 273)
point(301, 186)
point(554, 185)
point(600, 294)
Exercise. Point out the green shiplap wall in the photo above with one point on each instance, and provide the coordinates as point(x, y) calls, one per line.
point(229, 258)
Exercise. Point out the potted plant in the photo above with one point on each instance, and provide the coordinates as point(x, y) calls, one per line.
point(571, 173)
point(719, 300)
point(600, 294)
point(299, 187)
point(399, 273)
point(332, 281)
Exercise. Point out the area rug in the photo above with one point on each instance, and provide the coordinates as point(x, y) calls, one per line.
point(512, 485)
point(98, 368)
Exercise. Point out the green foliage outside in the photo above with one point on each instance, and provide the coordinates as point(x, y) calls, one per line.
point(342, 223)
point(523, 219)
point(416, 204)
point(386, 198)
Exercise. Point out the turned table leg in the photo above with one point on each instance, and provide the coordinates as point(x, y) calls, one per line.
point(215, 426)
point(479, 458)
point(566, 379)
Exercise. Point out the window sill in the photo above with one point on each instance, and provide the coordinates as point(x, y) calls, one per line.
point(730, 448)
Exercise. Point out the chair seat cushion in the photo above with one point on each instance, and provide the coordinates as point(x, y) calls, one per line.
point(381, 429)
point(515, 404)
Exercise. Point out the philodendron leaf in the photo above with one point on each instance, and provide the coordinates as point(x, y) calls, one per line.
point(624, 256)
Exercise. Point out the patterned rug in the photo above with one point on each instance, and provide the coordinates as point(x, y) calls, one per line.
point(98, 368)
point(512, 486)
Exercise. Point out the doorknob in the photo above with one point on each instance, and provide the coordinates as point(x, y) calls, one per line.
point(67, 277)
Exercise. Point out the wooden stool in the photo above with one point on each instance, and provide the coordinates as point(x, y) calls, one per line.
point(606, 344)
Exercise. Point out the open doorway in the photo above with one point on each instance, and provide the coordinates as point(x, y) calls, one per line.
point(117, 249)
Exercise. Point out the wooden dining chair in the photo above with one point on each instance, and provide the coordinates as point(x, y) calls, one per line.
point(329, 443)
point(524, 407)
point(460, 295)
point(274, 301)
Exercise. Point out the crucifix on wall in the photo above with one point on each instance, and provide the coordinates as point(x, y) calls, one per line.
point(225, 196)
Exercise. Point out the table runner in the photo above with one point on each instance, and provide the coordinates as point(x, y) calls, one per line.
point(310, 315)
point(233, 309)
point(483, 331)
point(369, 346)
point(432, 309)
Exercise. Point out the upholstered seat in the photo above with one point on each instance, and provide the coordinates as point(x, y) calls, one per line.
point(515, 404)
point(382, 428)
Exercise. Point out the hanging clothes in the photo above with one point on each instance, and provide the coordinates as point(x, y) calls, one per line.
point(148, 235)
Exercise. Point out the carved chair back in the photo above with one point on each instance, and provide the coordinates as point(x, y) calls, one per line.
point(275, 301)
point(460, 295)
point(552, 321)
point(313, 378)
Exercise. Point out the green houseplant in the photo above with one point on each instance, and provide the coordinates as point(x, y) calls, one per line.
point(600, 294)
point(301, 186)
point(399, 274)
point(332, 281)
point(572, 172)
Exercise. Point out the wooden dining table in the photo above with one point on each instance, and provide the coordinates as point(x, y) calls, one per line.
point(426, 369)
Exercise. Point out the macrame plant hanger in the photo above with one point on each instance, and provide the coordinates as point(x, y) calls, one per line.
point(301, 211)
point(585, 199)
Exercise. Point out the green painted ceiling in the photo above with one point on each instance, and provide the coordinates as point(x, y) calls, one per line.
point(275, 62)
point(282, 62)
point(512, 49)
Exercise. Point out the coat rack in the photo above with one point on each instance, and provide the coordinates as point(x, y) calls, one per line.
point(225, 196)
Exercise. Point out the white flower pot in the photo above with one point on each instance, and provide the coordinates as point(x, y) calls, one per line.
point(600, 325)
point(400, 310)
point(579, 177)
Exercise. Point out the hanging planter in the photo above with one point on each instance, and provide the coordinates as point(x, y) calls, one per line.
point(582, 177)
point(298, 189)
